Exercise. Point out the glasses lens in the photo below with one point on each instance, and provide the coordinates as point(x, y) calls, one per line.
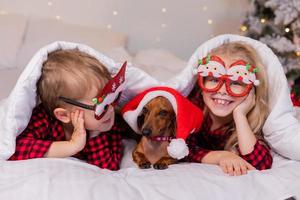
point(211, 82)
point(104, 111)
point(237, 87)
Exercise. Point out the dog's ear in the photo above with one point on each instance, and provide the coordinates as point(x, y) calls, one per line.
point(140, 121)
point(172, 125)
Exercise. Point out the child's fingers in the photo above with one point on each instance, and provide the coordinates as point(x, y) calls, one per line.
point(251, 96)
point(237, 169)
point(229, 167)
point(249, 166)
point(81, 121)
point(75, 118)
point(224, 168)
point(243, 168)
point(252, 92)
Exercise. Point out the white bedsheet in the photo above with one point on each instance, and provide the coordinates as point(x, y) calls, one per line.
point(72, 179)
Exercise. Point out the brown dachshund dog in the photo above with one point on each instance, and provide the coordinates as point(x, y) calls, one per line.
point(157, 124)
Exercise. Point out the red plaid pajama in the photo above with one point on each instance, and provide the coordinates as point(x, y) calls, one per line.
point(104, 150)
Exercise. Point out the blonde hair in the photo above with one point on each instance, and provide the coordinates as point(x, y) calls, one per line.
point(258, 114)
point(71, 74)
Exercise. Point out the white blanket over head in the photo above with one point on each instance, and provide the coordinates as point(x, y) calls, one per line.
point(71, 179)
point(15, 111)
point(281, 129)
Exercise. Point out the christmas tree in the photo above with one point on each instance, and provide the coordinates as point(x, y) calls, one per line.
point(277, 24)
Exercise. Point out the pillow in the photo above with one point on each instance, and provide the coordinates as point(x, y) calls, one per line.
point(15, 111)
point(281, 129)
point(159, 63)
point(12, 28)
point(41, 32)
point(8, 79)
point(119, 54)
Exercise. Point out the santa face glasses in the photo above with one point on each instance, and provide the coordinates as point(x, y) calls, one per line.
point(108, 96)
point(238, 79)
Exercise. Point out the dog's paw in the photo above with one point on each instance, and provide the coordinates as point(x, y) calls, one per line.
point(160, 166)
point(145, 165)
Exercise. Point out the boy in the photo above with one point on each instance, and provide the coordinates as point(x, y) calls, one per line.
point(70, 121)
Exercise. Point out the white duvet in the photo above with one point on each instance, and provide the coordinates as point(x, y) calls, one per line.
point(73, 179)
point(68, 179)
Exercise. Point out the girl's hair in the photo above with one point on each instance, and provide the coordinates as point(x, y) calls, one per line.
point(258, 114)
point(71, 74)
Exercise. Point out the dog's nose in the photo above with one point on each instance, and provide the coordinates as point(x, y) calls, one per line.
point(146, 132)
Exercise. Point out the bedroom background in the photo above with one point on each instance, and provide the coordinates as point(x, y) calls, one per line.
point(159, 36)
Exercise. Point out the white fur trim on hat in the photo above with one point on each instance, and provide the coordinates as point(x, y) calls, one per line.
point(131, 115)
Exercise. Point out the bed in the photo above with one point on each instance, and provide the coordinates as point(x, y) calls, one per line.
point(74, 179)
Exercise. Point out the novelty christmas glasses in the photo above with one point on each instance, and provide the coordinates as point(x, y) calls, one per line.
point(238, 79)
point(108, 96)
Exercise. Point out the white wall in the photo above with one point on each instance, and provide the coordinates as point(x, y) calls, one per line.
point(185, 21)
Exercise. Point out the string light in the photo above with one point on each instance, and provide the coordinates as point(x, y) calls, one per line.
point(204, 8)
point(109, 26)
point(243, 28)
point(115, 13)
point(287, 30)
point(3, 12)
point(50, 3)
point(209, 21)
point(163, 25)
point(163, 10)
point(57, 17)
point(262, 20)
point(298, 53)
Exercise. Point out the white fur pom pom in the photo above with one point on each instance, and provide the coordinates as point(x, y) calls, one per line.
point(178, 148)
point(256, 82)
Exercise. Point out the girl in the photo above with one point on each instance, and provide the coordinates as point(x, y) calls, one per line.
point(233, 95)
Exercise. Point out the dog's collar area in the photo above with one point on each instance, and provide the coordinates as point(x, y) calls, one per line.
point(162, 138)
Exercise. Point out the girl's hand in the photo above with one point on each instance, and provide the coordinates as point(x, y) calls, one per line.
point(233, 164)
point(245, 106)
point(78, 138)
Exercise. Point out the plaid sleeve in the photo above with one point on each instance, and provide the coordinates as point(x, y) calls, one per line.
point(260, 157)
point(196, 153)
point(29, 147)
point(105, 150)
point(32, 142)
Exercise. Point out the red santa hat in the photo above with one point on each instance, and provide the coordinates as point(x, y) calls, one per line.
point(188, 116)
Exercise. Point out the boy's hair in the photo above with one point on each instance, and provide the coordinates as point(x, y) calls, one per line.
point(258, 114)
point(71, 74)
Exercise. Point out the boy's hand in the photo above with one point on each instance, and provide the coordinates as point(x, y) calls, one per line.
point(234, 165)
point(78, 138)
point(245, 106)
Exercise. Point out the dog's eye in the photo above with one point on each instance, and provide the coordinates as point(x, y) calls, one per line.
point(145, 110)
point(163, 113)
